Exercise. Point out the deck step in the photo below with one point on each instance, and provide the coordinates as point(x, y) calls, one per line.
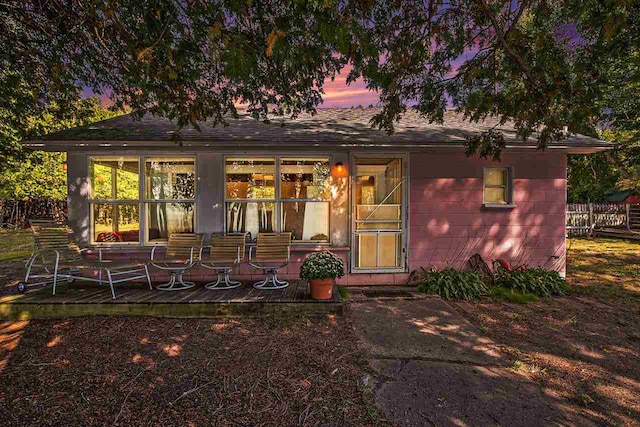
point(82, 300)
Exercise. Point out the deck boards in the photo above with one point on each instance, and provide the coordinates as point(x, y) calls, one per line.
point(94, 299)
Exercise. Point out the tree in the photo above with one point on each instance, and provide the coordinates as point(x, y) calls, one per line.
point(27, 174)
point(536, 62)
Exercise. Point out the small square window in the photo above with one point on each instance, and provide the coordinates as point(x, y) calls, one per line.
point(497, 187)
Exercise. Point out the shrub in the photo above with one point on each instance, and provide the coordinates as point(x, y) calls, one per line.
point(536, 281)
point(452, 283)
point(322, 265)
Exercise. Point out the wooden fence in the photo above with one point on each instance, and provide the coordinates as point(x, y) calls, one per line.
point(15, 213)
point(582, 218)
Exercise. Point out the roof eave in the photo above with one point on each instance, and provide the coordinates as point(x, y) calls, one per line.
point(99, 145)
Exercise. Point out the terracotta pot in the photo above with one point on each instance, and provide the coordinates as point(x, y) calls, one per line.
point(322, 288)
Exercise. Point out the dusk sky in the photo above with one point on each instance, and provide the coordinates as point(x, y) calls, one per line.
point(338, 93)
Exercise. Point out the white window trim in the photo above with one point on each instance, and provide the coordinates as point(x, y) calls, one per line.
point(277, 201)
point(141, 201)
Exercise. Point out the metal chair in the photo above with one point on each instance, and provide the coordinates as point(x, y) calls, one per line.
point(225, 254)
point(58, 255)
point(183, 251)
point(272, 252)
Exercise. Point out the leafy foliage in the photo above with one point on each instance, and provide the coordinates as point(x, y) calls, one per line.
point(27, 174)
point(452, 283)
point(322, 265)
point(534, 281)
point(541, 64)
point(511, 295)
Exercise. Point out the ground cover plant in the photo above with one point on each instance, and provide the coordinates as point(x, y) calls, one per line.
point(452, 283)
point(531, 281)
point(511, 295)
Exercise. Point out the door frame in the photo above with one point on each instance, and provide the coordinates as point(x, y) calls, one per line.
point(404, 250)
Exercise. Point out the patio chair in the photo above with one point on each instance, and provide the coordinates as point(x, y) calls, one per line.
point(58, 255)
point(272, 252)
point(183, 251)
point(225, 254)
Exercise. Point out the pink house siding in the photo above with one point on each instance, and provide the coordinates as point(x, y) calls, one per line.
point(448, 222)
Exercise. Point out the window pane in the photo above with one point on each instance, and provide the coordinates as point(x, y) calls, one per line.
point(170, 178)
point(251, 217)
point(166, 218)
point(495, 195)
point(381, 250)
point(250, 178)
point(304, 178)
point(307, 221)
point(114, 178)
point(115, 223)
point(495, 176)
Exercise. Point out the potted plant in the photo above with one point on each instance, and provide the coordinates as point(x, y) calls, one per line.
point(321, 270)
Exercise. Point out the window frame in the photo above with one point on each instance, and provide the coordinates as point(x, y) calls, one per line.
point(508, 187)
point(147, 201)
point(278, 200)
point(142, 201)
point(114, 202)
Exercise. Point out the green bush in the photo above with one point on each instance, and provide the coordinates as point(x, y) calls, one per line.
point(536, 281)
point(452, 283)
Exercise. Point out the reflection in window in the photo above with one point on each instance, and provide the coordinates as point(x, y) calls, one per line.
point(307, 221)
point(170, 179)
point(496, 186)
point(167, 218)
point(116, 223)
point(302, 207)
point(114, 178)
point(251, 217)
point(304, 178)
point(115, 192)
point(252, 178)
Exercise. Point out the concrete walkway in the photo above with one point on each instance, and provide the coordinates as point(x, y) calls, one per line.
point(433, 368)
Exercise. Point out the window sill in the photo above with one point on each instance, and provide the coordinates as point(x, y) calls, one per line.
point(491, 206)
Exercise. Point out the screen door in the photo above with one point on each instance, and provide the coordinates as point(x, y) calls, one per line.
point(378, 215)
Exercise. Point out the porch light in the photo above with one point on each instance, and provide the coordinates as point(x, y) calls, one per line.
point(339, 171)
point(64, 166)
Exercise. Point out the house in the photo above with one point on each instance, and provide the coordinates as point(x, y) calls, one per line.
point(624, 197)
point(386, 203)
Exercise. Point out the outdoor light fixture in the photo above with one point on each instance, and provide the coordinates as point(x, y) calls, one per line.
point(339, 170)
point(64, 166)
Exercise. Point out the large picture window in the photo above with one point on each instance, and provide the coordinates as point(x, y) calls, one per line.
point(266, 194)
point(169, 197)
point(120, 199)
point(114, 199)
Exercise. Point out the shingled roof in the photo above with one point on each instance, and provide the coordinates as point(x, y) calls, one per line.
point(337, 127)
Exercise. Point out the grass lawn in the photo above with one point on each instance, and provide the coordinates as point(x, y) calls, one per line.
point(604, 268)
point(15, 244)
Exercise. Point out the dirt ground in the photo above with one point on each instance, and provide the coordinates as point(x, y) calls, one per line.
point(149, 371)
point(582, 350)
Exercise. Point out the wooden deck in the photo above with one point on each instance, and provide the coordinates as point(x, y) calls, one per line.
point(88, 299)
